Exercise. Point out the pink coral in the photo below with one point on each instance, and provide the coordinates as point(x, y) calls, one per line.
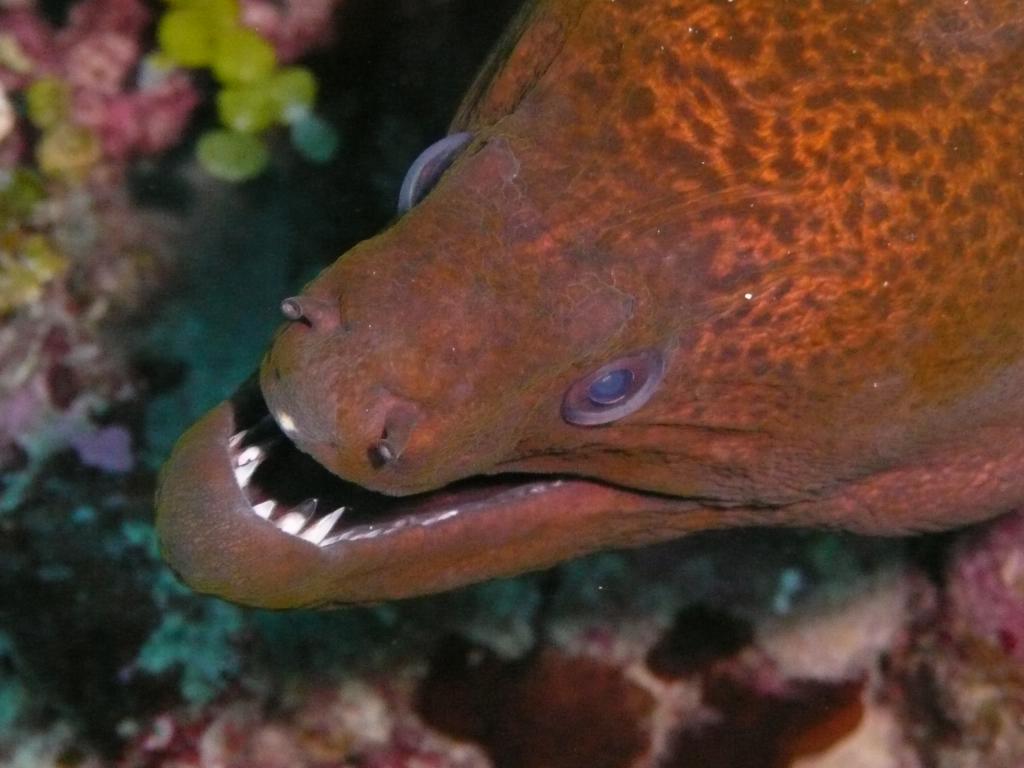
point(962, 675)
point(55, 378)
point(986, 585)
point(96, 53)
point(301, 734)
point(129, 18)
point(101, 63)
point(140, 122)
point(93, 25)
point(58, 370)
point(101, 46)
point(33, 39)
point(294, 27)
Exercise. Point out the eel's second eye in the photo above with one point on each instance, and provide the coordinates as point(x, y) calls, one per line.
point(426, 169)
point(614, 390)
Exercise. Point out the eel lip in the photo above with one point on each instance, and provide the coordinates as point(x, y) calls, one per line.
point(242, 514)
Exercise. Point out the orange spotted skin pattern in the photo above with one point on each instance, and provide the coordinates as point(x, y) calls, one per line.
point(831, 197)
point(813, 209)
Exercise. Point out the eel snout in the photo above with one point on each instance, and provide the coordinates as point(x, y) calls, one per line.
point(243, 514)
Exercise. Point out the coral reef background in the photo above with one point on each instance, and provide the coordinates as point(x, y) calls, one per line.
point(139, 283)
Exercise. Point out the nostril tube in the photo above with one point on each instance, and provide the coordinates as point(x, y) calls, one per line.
point(291, 308)
point(398, 426)
point(384, 452)
point(316, 313)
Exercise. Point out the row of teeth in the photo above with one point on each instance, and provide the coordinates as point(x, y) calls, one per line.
point(300, 521)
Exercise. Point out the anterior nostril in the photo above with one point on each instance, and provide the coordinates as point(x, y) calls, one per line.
point(291, 308)
point(315, 313)
point(383, 452)
point(398, 426)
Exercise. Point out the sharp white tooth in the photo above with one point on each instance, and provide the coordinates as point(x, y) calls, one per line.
point(265, 508)
point(236, 439)
point(296, 520)
point(252, 454)
point(307, 508)
point(244, 474)
point(319, 530)
point(291, 523)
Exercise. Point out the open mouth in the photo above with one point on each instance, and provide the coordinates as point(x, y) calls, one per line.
point(289, 489)
point(243, 514)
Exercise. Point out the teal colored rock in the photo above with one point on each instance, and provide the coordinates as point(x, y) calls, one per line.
point(315, 138)
point(294, 91)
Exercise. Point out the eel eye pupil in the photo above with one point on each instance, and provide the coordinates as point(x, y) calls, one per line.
point(614, 390)
point(610, 388)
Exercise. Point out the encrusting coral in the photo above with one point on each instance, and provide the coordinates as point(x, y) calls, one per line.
point(85, 113)
point(80, 103)
point(80, 90)
point(256, 93)
point(962, 677)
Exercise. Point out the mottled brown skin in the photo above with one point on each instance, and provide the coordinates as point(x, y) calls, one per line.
point(814, 209)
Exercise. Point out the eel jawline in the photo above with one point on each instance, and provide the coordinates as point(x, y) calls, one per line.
point(235, 519)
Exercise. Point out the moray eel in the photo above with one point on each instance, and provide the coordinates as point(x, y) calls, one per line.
point(680, 265)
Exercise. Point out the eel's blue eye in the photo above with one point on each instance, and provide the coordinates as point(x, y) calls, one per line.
point(614, 390)
point(426, 169)
point(611, 387)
